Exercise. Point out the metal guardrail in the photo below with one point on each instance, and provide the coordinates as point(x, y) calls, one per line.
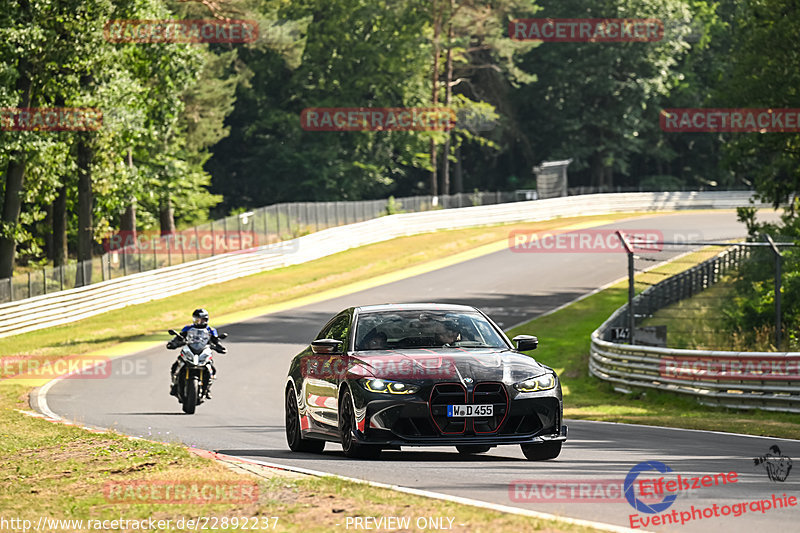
point(265, 225)
point(75, 304)
point(739, 380)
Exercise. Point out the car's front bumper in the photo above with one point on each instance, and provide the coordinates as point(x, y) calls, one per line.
point(492, 440)
point(421, 420)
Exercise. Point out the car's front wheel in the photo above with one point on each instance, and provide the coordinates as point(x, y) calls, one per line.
point(347, 425)
point(294, 435)
point(541, 452)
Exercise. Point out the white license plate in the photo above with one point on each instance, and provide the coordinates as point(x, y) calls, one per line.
point(469, 410)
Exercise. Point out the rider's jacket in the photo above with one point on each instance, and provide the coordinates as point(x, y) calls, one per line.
point(211, 331)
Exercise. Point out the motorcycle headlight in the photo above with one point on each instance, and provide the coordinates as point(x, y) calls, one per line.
point(543, 382)
point(389, 387)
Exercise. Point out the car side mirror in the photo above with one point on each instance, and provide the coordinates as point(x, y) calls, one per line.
point(327, 346)
point(223, 336)
point(526, 342)
point(173, 332)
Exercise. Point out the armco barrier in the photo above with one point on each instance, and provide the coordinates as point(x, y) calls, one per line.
point(75, 304)
point(739, 380)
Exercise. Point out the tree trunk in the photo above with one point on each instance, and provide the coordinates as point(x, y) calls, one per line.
point(15, 179)
point(59, 238)
point(597, 170)
point(48, 232)
point(448, 93)
point(85, 201)
point(437, 30)
point(458, 181)
point(127, 222)
point(166, 216)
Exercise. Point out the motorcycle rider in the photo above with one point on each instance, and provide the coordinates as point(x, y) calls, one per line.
point(199, 321)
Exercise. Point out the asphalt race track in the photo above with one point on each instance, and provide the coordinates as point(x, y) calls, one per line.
point(245, 418)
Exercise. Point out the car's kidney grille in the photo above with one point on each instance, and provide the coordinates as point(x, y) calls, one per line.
point(442, 395)
point(490, 393)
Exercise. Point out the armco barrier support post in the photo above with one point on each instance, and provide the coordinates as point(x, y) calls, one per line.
point(778, 276)
point(631, 315)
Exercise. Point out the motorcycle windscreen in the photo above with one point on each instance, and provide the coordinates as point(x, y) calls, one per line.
point(197, 339)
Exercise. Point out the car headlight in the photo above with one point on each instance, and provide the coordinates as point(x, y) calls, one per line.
point(389, 387)
point(543, 382)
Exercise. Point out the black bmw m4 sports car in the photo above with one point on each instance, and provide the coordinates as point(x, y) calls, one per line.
point(386, 376)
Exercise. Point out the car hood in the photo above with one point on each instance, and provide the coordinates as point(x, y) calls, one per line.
point(446, 364)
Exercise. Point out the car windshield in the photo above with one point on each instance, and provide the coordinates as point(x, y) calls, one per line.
point(425, 329)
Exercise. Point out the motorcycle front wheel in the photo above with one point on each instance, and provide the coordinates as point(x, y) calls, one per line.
point(190, 401)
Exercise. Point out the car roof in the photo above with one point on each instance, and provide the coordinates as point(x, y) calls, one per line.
point(414, 307)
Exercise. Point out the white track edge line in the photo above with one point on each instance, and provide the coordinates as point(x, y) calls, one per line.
point(449, 498)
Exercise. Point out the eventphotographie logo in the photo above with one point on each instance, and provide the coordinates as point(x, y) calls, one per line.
point(775, 463)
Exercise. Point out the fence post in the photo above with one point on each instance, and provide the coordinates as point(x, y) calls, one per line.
point(61, 276)
point(778, 276)
point(213, 243)
point(278, 218)
point(239, 225)
point(30, 289)
point(631, 290)
point(197, 243)
point(44, 280)
point(11, 289)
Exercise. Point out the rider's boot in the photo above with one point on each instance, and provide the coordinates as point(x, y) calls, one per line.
point(208, 387)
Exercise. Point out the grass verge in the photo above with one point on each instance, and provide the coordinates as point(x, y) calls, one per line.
point(564, 346)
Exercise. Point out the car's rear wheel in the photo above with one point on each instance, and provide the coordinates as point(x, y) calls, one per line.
point(294, 435)
point(541, 452)
point(469, 449)
point(347, 425)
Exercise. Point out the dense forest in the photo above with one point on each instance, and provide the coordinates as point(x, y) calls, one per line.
point(197, 130)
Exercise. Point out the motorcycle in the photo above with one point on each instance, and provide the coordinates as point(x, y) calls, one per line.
point(194, 371)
